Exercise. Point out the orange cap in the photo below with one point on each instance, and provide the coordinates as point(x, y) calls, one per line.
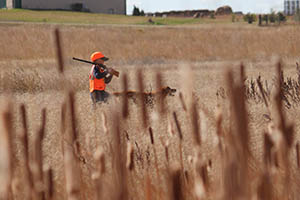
point(98, 55)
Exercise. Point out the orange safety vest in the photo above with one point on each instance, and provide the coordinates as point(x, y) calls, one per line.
point(96, 84)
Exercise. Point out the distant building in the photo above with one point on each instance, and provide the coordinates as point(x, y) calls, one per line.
point(238, 13)
point(291, 6)
point(97, 6)
point(9, 3)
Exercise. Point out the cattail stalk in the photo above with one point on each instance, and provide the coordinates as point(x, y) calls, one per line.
point(130, 158)
point(142, 98)
point(48, 184)
point(63, 122)
point(74, 134)
point(238, 146)
point(204, 176)
point(72, 170)
point(39, 143)
point(125, 98)
point(24, 140)
point(155, 154)
point(6, 175)
point(264, 189)
point(151, 136)
point(268, 144)
point(148, 187)
point(180, 141)
point(37, 163)
point(286, 130)
point(182, 101)
point(219, 121)
point(176, 184)
point(178, 126)
point(196, 128)
point(72, 174)
point(104, 123)
point(59, 51)
point(240, 112)
point(99, 157)
point(121, 175)
point(167, 153)
point(112, 153)
point(298, 154)
point(160, 97)
point(199, 188)
point(63, 129)
point(221, 146)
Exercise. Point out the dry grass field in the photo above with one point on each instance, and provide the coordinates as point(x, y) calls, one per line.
point(85, 18)
point(212, 141)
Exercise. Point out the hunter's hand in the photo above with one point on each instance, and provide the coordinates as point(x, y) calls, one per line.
point(102, 68)
point(109, 70)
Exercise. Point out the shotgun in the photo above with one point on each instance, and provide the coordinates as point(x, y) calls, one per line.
point(112, 71)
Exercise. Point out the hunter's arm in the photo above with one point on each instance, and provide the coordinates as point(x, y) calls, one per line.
point(98, 74)
point(108, 78)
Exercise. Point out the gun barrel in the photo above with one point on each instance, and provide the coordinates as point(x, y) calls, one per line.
point(114, 72)
point(81, 60)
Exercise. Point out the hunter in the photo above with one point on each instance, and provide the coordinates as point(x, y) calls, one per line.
point(100, 75)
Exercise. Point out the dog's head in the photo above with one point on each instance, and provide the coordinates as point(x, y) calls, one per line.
point(168, 91)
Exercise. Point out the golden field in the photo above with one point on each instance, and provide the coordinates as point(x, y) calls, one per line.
point(195, 60)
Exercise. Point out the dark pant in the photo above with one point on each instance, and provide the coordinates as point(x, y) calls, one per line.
point(99, 96)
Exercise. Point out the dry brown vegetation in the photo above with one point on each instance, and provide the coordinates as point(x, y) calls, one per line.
point(194, 145)
point(151, 44)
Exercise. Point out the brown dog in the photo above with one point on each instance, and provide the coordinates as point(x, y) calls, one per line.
point(149, 96)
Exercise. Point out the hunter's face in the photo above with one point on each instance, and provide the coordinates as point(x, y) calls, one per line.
point(99, 61)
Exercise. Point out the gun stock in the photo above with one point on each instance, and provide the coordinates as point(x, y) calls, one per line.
point(112, 71)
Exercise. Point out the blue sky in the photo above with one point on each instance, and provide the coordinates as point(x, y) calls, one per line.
point(257, 6)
